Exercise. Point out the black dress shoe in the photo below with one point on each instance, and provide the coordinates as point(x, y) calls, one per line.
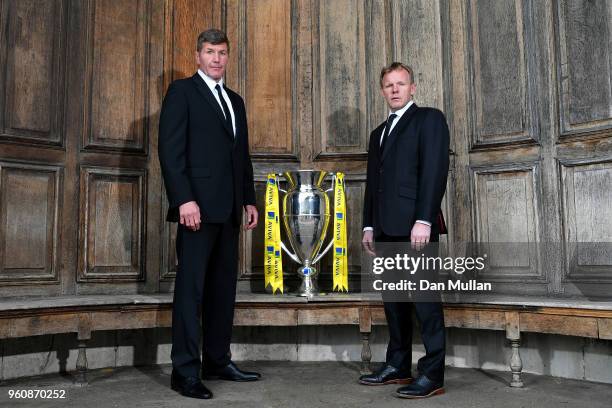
point(386, 375)
point(422, 387)
point(191, 387)
point(231, 373)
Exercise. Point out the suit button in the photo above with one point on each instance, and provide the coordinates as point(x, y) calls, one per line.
point(380, 171)
point(380, 190)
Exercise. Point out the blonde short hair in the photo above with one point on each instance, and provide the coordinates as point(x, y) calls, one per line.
point(396, 66)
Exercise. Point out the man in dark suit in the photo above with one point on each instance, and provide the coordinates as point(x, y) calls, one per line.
point(208, 175)
point(406, 179)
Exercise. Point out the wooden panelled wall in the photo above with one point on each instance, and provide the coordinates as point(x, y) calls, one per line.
point(526, 86)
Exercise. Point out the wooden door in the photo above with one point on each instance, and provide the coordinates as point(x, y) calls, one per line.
point(531, 115)
point(525, 86)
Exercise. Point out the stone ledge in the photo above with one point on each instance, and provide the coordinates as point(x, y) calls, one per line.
point(33, 303)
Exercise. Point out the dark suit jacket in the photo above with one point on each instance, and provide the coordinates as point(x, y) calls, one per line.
point(200, 159)
point(406, 182)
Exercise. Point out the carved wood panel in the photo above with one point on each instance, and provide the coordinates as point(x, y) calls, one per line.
point(32, 37)
point(584, 43)
point(116, 87)
point(261, 69)
point(184, 21)
point(506, 213)
point(29, 213)
point(500, 42)
point(111, 239)
point(587, 217)
point(417, 39)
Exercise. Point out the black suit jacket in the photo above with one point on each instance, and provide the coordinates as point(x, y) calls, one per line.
point(200, 158)
point(406, 182)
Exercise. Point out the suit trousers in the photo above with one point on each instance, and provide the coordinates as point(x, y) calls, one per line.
point(430, 317)
point(205, 288)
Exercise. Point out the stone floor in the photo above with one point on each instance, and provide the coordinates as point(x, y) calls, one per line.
point(312, 385)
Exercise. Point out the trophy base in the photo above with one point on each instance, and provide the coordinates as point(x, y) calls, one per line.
point(309, 286)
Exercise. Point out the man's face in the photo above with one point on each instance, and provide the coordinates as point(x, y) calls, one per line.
point(398, 88)
point(212, 59)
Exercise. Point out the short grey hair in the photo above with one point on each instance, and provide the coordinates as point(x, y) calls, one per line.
point(212, 36)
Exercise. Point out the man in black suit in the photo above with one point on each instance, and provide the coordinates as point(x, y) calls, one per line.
point(207, 170)
point(406, 179)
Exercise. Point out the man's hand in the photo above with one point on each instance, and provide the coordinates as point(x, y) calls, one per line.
point(368, 242)
point(251, 212)
point(190, 215)
point(419, 236)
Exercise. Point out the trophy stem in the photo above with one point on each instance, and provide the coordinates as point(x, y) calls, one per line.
point(309, 287)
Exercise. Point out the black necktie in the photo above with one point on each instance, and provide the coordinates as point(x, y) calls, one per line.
point(390, 120)
point(226, 112)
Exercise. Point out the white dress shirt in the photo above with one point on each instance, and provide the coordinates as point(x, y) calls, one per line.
point(399, 113)
point(211, 84)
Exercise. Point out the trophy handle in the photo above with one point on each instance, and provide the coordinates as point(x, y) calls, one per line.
point(278, 184)
point(291, 254)
point(331, 241)
point(333, 184)
point(326, 250)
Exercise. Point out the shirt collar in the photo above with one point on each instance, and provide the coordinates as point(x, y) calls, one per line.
point(400, 112)
point(209, 81)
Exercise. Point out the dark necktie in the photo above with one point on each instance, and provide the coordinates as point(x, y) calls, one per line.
point(390, 120)
point(226, 112)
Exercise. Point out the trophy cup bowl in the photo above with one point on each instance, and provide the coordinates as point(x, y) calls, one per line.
point(306, 216)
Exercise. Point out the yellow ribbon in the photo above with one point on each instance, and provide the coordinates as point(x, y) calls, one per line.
point(273, 262)
point(340, 267)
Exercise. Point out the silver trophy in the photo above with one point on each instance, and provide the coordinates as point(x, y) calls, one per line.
point(306, 215)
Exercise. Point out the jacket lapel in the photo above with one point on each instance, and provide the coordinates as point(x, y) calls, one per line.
point(210, 98)
point(399, 128)
point(237, 115)
point(378, 134)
